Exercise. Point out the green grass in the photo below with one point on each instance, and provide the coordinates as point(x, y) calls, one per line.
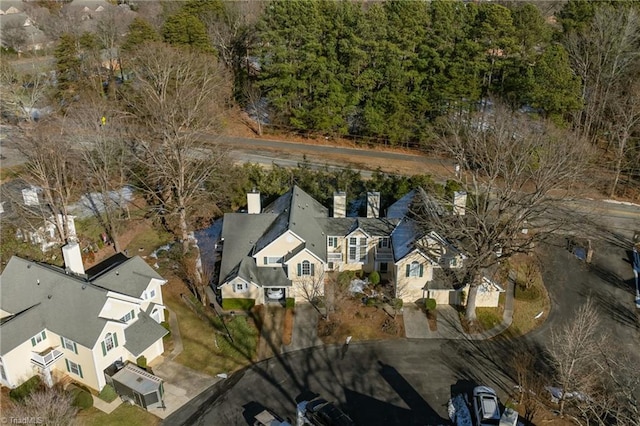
point(238, 304)
point(489, 317)
point(148, 241)
point(199, 337)
point(125, 414)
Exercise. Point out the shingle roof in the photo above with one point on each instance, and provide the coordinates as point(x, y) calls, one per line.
point(337, 226)
point(400, 208)
point(45, 297)
point(142, 334)
point(64, 304)
point(240, 232)
point(130, 277)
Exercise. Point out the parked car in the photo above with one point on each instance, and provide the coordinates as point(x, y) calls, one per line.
point(275, 293)
point(320, 412)
point(485, 406)
point(267, 418)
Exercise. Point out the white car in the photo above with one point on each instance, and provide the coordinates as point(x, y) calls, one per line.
point(485, 406)
point(275, 293)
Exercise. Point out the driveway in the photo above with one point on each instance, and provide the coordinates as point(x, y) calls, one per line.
point(181, 384)
point(270, 342)
point(416, 324)
point(305, 328)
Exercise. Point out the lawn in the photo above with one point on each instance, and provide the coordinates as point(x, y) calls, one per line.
point(125, 414)
point(206, 345)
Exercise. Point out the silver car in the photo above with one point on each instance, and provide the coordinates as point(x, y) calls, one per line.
point(485, 406)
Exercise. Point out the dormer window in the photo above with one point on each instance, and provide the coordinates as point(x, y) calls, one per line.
point(128, 317)
point(384, 242)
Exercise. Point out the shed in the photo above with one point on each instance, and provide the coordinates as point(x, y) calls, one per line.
point(135, 384)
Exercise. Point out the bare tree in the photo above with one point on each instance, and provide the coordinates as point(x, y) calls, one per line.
point(625, 120)
point(106, 162)
point(51, 165)
point(312, 287)
point(573, 350)
point(530, 382)
point(516, 174)
point(178, 98)
point(52, 406)
point(20, 94)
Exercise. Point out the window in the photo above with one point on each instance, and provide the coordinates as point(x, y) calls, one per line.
point(415, 269)
point(383, 242)
point(239, 287)
point(3, 374)
point(332, 241)
point(38, 338)
point(384, 267)
point(69, 344)
point(152, 294)
point(306, 268)
point(357, 249)
point(74, 368)
point(270, 260)
point(109, 342)
point(128, 317)
point(453, 262)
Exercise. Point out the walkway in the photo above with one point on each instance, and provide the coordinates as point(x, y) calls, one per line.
point(416, 324)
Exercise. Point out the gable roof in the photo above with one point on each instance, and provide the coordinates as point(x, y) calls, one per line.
point(130, 277)
point(143, 333)
point(240, 232)
point(42, 297)
point(400, 208)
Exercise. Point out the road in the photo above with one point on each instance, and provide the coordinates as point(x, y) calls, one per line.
point(408, 382)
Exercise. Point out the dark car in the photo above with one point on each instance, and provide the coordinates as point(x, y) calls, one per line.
point(323, 413)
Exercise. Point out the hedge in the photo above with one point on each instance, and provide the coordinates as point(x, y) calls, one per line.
point(81, 398)
point(108, 394)
point(142, 361)
point(25, 389)
point(238, 304)
point(430, 304)
point(290, 303)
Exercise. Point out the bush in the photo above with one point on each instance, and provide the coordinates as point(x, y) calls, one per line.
point(372, 301)
point(374, 278)
point(167, 326)
point(396, 304)
point(238, 304)
point(430, 304)
point(290, 303)
point(345, 278)
point(81, 398)
point(26, 389)
point(108, 394)
point(142, 361)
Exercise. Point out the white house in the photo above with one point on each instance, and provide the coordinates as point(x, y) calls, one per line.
point(57, 322)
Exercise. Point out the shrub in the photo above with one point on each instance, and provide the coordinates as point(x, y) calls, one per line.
point(396, 304)
point(345, 278)
point(430, 304)
point(26, 389)
point(142, 361)
point(290, 303)
point(372, 301)
point(167, 326)
point(81, 398)
point(108, 394)
point(238, 304)
point(374, 278)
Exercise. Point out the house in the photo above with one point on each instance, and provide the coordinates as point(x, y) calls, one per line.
point(68, 322)
point(286, 249)
point(23, 207)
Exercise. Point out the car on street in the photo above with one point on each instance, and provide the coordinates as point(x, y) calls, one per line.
point(320, 412)
point(485, 406)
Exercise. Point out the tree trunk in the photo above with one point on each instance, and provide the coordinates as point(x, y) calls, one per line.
point(470, 313)
point(184, 230)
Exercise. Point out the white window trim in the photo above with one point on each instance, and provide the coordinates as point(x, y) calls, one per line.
point(240, 287)
point(109, 338)
point(68, 344)
point(384, 242)
point(306, 268)
point(414, 269)
point(273, 260)
point(332, 242)
point(359, 246)
point(127, 317)
point(73, 366)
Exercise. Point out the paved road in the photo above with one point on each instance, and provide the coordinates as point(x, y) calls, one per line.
point(408, 382)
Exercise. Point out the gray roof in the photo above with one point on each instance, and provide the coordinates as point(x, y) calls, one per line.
point(240, 232)
point(64, 304)
point(377, 227)
point(403, 238)
point(337, 226)
point(137, 379)
point(130, 277)
point(45, 297)
point(400, 208)
point(273, 276)
point(143, 333)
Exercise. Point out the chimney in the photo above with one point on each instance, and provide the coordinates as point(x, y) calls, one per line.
point(253, 202)
point(30, 196)
point(373, 204)
point(459, 203)
point(73, 258)
point(339, 204)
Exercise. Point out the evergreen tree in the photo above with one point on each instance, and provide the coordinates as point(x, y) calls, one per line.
point(186, 29)
point(140, 31)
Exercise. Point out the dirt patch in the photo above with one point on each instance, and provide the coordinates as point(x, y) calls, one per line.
point(361, 322)
point(134, 228)
point(288, 327)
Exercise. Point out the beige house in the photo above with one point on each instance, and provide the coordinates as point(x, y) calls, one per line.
point(285, 249)
point(58, 322)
